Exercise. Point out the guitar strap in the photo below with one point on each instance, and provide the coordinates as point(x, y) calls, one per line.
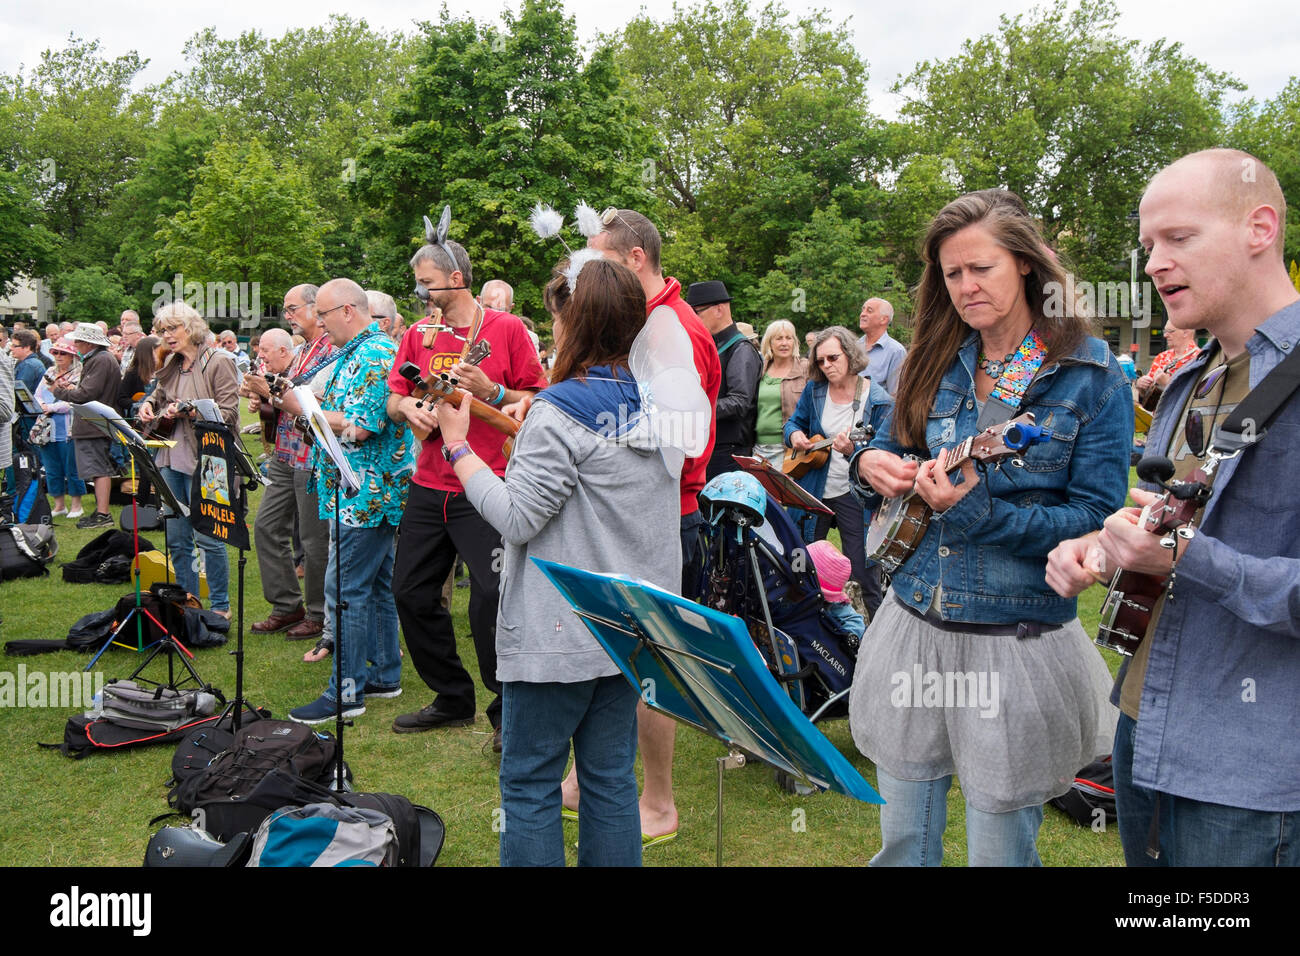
point(1258, 408)
point(1004, 400)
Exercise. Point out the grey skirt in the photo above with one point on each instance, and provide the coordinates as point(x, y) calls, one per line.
point(1014, 718)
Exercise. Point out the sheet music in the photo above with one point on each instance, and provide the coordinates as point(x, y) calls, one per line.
point(326, 438)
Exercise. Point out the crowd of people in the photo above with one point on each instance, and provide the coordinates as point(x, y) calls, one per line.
point(1206, 773)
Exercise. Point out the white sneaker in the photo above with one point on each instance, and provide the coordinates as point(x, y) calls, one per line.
point(58, 512)
point(76, 514)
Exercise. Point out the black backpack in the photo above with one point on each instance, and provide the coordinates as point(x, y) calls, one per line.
point(25, 550)
point(258, 748)
point(100, 549)
point(1093, 790)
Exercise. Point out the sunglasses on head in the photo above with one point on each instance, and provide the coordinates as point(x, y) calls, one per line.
point(611, 213)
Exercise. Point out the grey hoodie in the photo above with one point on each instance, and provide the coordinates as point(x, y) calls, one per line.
point(573, 496)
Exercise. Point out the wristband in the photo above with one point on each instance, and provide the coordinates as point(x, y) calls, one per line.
point(455, 450)
point(460, 453)
point(499, 397)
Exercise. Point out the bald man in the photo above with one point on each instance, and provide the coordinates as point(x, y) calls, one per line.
point(1206, 755)
point(497, 294)
point(884, 355)
point(363, 522)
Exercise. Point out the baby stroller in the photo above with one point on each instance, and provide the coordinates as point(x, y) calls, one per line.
point(756, 567)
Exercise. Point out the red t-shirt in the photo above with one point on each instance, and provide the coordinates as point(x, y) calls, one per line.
point(710, 369)
point(513, 363)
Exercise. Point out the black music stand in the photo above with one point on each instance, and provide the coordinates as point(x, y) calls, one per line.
point(115, 428)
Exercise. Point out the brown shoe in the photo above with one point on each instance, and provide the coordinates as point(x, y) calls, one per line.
point(279, 622)
point(304, 631)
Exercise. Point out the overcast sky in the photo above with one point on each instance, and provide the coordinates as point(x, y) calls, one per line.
point(1257, 41)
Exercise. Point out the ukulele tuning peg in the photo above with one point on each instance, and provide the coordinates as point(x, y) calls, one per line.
point(1017, 463)
point(1168, 542)
point(1186, 533)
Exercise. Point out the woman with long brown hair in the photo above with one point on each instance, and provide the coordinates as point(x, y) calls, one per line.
point(582, 490)
point(995, 337)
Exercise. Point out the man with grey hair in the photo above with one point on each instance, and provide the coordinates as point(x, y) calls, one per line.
point(439, 521)
point(229, 343)
point(300, 613)
point(383, 309)
point(52, 334)
point(884, 354)
point(132, 333)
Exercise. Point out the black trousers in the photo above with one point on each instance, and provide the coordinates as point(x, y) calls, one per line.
point(436, 526)
point(853, 542)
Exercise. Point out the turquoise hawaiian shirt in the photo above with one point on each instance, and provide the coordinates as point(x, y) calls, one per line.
point(358, 386)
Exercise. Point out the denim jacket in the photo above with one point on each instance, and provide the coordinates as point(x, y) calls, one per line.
point(807, 418)
point(989, 550)
point(1221, 697)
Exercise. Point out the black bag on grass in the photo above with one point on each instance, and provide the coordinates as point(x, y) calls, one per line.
point(259, 748)
point(84, 735)
point(25, 550)
point(1093, 790)
point(100, 549)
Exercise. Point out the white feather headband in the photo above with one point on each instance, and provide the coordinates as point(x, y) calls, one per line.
point(589, 221)
point(576, 261)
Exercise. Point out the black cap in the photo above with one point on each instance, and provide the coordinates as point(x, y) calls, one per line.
point(701, 294)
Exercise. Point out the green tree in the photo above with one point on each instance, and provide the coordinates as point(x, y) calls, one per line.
point(27, 248)
point(491, 123)
point(761, 121)
point(821, 280)
point(82, 131)
point(314, 95)
point(249, 221)
point(1059, 108)
point(1269, 132)
point(91, 293)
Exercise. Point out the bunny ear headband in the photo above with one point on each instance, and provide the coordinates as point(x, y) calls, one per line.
point(547, 223)
point(438, 237)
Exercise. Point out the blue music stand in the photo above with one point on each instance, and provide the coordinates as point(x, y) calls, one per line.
point(700, 666)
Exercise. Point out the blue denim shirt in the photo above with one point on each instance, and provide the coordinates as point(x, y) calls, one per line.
point(989, 550)
point(1220, 709)
point(807, 418)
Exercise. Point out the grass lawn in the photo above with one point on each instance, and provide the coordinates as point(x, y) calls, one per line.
point(95, 812)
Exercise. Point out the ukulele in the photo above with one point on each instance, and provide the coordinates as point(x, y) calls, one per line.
point(162, 428)
point(443, 388)
point(900, 523)
point(1132, 596)
point(269, 415)
point(799, 463)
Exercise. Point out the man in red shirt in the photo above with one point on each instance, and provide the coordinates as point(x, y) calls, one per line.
point(439, 522)
point(632, 240)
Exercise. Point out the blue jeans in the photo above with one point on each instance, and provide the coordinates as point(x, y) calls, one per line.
point(537, 723)
point(181, 539)
point(915, 813)
point(60, 463)
point(370, 620)
point(1191, 832)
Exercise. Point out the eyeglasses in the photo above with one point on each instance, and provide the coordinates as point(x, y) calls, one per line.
point(379, 316)
point(612, 213)
point(829, 359)
point(320, 314)
point(290, 310)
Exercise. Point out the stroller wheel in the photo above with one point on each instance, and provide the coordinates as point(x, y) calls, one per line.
point(794, 785)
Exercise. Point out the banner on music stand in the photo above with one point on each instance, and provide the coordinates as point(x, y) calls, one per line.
point(217, 503)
